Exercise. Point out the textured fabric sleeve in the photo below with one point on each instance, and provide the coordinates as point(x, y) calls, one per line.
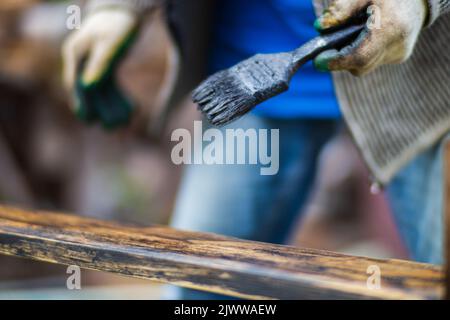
point(399, 111)
point(138, 6)
point(437, 8)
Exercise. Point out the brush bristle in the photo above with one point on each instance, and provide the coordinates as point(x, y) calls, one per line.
point(223, 99)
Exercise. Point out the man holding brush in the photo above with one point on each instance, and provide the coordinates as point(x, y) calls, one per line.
point(397, 112)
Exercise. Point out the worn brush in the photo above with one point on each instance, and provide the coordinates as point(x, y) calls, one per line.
point(228, 95)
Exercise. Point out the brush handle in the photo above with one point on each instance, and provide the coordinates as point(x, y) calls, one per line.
point(334, 40)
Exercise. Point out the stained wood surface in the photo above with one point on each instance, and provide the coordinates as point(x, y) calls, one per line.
point(209, 262)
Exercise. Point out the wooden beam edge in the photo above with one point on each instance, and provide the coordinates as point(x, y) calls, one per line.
point(270, 283)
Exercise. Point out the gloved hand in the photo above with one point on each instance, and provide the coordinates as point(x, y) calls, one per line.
point(90, 57)
point(391, 43)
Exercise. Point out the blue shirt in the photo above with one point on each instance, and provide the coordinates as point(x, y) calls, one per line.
point(246, 27)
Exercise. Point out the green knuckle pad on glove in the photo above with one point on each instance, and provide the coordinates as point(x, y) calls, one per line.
point(103, 100)
point(391, 33)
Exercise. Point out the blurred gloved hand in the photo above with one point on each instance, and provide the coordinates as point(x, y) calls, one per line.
point(90, 57)
point(390, 42)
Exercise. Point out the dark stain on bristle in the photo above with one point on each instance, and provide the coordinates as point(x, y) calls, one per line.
point(222, 99)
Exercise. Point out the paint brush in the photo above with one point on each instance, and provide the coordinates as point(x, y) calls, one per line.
point(229, 94)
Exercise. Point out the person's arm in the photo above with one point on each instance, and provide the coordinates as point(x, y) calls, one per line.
point(390, 42)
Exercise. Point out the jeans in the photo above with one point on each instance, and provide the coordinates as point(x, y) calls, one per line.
point(416, 196)
point(237, 201)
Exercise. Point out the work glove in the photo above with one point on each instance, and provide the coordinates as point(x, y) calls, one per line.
point(389, 38)
point(91, 56)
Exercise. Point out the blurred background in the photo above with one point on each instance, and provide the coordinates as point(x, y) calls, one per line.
point(48, 160)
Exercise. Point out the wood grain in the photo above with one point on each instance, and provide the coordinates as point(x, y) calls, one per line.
point(209, 262)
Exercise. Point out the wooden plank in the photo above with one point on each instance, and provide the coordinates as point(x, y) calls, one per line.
point(447, 217)
point(209, 262)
